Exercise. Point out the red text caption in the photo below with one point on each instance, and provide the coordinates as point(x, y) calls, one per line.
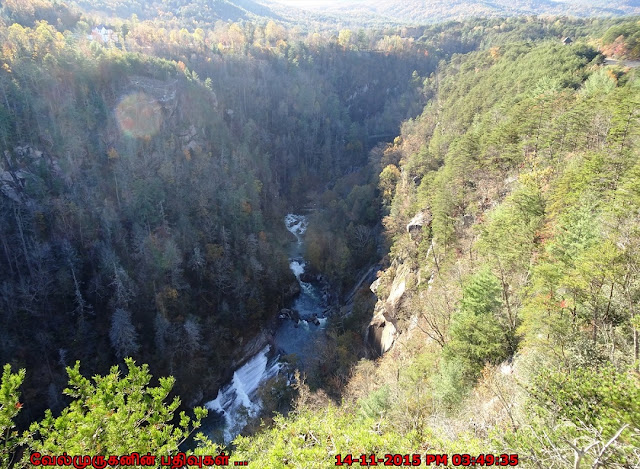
point(179, 460)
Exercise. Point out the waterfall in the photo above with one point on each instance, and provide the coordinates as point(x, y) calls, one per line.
point(238, 400)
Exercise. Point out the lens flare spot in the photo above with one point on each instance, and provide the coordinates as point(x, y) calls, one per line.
point(139, 115)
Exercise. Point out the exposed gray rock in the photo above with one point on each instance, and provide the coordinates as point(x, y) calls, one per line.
point(374, 286)
point(381, 333)
point(12, 183)
point(308, 277)
point(286, 313)
point(252, 347)
point(421, 219)
point(398, 287)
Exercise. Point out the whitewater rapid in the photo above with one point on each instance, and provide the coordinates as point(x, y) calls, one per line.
point(238, 401)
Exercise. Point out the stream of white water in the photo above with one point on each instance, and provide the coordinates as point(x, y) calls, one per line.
point(238, 401)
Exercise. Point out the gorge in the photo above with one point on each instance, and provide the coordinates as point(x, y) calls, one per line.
point(466, 281)
point(299, 330)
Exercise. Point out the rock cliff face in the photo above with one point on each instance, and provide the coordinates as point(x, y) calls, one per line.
point(17, 170)
point(392, 286)
point(382, 330)
point(381, 333)
point(252, 348)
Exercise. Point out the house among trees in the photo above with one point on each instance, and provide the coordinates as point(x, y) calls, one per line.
point(567, 40)
point(103, 34)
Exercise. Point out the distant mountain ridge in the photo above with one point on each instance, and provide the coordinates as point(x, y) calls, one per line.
point(430, 11)
point(205, 10)
point(356, 13)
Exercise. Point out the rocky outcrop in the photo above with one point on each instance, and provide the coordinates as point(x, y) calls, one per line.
point(381, 333)
point(12, 184)
point(398, 288)
point(19, 168)
point(252, 347)
point(292, 291)
point(286, 313)
point(308, 277)
point(417, 222)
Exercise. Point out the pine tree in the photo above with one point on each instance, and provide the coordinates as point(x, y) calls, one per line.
point(114, 415)
point(476, 335)
point(10, 406)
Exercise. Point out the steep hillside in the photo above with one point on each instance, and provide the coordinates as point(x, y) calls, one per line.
point(146, 169)
point(144, 179)
point(513, 294)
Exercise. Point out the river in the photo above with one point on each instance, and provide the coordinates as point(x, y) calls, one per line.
point(238, 401)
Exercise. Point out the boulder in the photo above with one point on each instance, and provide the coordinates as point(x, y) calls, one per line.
point(381, 333)
point(307, 277)
point(293, 290)
point(417, 222)
point(374, 286)
point(398, 286)
point(286, 313)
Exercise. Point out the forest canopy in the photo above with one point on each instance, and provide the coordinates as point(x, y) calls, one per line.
point(487, 168)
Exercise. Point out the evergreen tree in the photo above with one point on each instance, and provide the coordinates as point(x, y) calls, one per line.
point(476, 335)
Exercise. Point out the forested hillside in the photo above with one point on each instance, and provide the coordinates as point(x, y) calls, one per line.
point(150, 153)
point(145, 176)
point(514, 294)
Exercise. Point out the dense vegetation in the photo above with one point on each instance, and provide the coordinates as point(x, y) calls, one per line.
point(145, 177)
point(143, 182)
point(520, 331)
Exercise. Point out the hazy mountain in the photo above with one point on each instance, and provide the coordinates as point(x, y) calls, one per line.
point(354, 13)
point(429, 11)
point(204, 10)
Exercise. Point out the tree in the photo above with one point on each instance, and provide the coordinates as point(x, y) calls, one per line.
point(476, 335)
point(123, 336)
point(344, 38)
point(586, 417)
point(114, 415)
point(388, 180)
point(10, 406)
point(508, 239)
point(274, 32)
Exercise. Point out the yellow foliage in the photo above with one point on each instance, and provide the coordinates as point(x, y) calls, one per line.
point(171, 293)
point(214, 251)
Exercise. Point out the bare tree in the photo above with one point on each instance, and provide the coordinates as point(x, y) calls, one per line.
point(123, 336)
